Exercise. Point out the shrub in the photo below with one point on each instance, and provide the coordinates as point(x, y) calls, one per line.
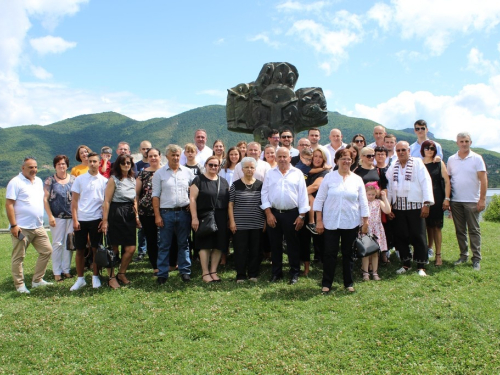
point(492, 212)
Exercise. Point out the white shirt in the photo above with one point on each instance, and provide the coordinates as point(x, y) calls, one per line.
point(371, 145)
point(228, 175)
point(260, 171)
point(91, 190)
point(172, 188)
point(332, 151)
point(294, 152)
point(285, 192)
point(415, 150)
point(201, 156)
point(465, 185)
point(343, 202)
point(28, 197)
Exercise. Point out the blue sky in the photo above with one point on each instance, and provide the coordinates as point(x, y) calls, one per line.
point(390, 61)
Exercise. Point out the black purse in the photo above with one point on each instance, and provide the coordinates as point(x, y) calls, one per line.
point(365, 245)
point(105, 257)
point(207, 224)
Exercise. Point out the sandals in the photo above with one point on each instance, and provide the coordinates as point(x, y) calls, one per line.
point(325, 290)
point(215, 280)
point(438, 262)
point(58, 278)
point(210, 281)
point(127, 282)
point(109, 283)
point(68, 276)
point(366, 276)
point(376, 277)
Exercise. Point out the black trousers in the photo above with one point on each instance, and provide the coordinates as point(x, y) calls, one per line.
point(150, 231)
point(335, 240)
point(305, 244)
point(409, 228)
point(247, 253)
point(284, 227)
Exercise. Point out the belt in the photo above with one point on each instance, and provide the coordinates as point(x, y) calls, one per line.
point(173, 209)
point(284, 211)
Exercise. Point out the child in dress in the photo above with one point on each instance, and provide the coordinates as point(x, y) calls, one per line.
point(375, 226)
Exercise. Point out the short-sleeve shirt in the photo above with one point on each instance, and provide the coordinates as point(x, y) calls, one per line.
point(372, 175)
point(60, 197)
point(28, 197)
point(91, 191)
point(79, 170)
point(465, 185)
point(247, 200)
point(145, 198)
point(208, 193)
point(124, 190)
point(313, 177)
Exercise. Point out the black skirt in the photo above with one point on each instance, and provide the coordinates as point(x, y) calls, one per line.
point(122, 224)
point(217, 240)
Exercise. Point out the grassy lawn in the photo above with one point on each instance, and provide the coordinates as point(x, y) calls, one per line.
point(447, 323)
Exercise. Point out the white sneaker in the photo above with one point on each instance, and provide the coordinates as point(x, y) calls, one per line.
point(96, 282)
point(430, 252)
point(40, 283)
point(23, 289)
point(401, 271)
point(421, 273)
point(80, 282)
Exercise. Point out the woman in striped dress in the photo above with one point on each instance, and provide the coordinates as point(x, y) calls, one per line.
point(246, 221)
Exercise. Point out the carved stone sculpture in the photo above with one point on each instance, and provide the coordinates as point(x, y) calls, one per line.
point(270, 102)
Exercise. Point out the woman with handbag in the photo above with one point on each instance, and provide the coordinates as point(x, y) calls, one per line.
point(57, 202)
point(340, 202)
point(209, 198)
point(119, 215)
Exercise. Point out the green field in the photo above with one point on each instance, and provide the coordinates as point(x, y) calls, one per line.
point(447, 323)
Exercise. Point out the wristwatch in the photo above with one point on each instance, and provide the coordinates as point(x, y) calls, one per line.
point(427, 204)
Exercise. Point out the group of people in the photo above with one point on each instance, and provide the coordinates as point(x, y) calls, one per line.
point(264, 200)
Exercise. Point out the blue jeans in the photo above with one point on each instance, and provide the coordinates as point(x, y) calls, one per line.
point(178, 222)
point(141, 239)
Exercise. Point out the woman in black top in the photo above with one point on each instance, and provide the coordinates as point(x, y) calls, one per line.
point(209, 191)
point(367, 171)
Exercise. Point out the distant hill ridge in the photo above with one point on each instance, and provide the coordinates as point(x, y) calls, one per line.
point(109, 128)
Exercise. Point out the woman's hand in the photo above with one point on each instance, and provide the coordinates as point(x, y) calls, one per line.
point(52, 221)
point(364, 228)
point(232, 226)
point(138, 222)
point(446, 205)
point(195, 224)
point(104, 226)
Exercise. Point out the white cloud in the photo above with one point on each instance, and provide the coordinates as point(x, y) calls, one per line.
point(219, 41)
point(480, 65)
point(51, 44)
point(40, 72)
point(297, 6)
point(264, 38)
point(437, 21)
point(52, 11)
point(476, 108)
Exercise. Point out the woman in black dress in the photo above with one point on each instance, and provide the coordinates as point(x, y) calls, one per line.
point(208, 192)
point(441, 189)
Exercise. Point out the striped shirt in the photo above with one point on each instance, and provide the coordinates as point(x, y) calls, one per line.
point(247, 212)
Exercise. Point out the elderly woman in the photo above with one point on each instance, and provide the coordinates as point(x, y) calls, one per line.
point(246, 221)
point(57, 202)
point(144, 190)
point(367, 171)
point(441, 189)
point(339, 204)
point(119, 215)
point(82, 156)
point(209, 192)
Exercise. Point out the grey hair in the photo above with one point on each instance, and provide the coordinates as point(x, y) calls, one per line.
point(255, 143)
point(464, 135)
point(248, 159)
point(172, 148)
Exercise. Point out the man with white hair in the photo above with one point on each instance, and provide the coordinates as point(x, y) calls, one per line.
point(378, 134)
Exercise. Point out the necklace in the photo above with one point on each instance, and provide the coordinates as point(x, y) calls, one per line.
point(249, 186)
point(65, 176)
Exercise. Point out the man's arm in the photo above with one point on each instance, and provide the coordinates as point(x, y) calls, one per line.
point(481, 204)
point(74, 210)
point(11, 215)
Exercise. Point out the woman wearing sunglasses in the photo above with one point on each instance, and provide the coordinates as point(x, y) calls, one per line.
point(210, 192)
point(441, 189)
point(367, 171)
point(359, 140)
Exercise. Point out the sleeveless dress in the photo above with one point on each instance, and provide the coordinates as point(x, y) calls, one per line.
point(375, 224)
point(436, 213)
point(121, 217)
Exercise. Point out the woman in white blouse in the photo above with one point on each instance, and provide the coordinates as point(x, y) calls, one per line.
point(339, 205)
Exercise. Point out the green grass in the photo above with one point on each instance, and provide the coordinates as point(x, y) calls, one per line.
point(447, 323)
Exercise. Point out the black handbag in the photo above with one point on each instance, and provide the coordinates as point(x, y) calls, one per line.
point(105, 257)
point(70, 242)
point(207, 224)
point(365, 245)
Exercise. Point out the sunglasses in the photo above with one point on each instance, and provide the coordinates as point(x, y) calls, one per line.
point(417, 129)
point(213, 165)
point(126, 163)
point(286, 136)
point(401, 150)
point(359, 140)
point(430, 148)
point(370, 156)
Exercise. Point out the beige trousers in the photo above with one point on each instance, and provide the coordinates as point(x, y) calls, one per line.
point(40, 241)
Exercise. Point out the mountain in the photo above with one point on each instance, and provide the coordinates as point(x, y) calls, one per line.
point(109, 128)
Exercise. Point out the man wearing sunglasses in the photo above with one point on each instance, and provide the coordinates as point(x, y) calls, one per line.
point(286, 137)
point(421, 130)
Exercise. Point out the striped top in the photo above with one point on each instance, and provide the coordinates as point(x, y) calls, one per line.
point(247, 212)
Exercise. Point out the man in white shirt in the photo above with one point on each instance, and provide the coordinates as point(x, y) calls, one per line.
point(273, 139)
point(86, 209)
point(285, 202)
point(314, 136)
point(253, 151)
point(390, 145)
point(335, 143)
point(286, 137)
point(420, 128)
point(24, 207)
point(203, 151)
point(378, 134)
point(468, 197)
point(410, 193)
point(171, 206)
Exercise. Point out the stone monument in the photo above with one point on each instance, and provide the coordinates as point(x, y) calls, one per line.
point(270, 102)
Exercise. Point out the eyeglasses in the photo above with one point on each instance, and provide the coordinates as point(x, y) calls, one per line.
point(304, 145)
point(401, 150)
point(346, 160)
point(359, 141)
point(286, 136)
point(417, 128)
point(369, 156)
point(213, 165)
point(275, 137)
point(430, 148)
point(126, 163)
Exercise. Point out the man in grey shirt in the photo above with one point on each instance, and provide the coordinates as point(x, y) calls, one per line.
point(171, 207)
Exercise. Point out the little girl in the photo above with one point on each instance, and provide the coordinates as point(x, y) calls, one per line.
point(375, 227)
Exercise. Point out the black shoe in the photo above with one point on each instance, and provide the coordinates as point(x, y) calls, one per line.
point(185, 277)
point(161, 280)
point(139, 258)
point(275, 279)
point(293, 280)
